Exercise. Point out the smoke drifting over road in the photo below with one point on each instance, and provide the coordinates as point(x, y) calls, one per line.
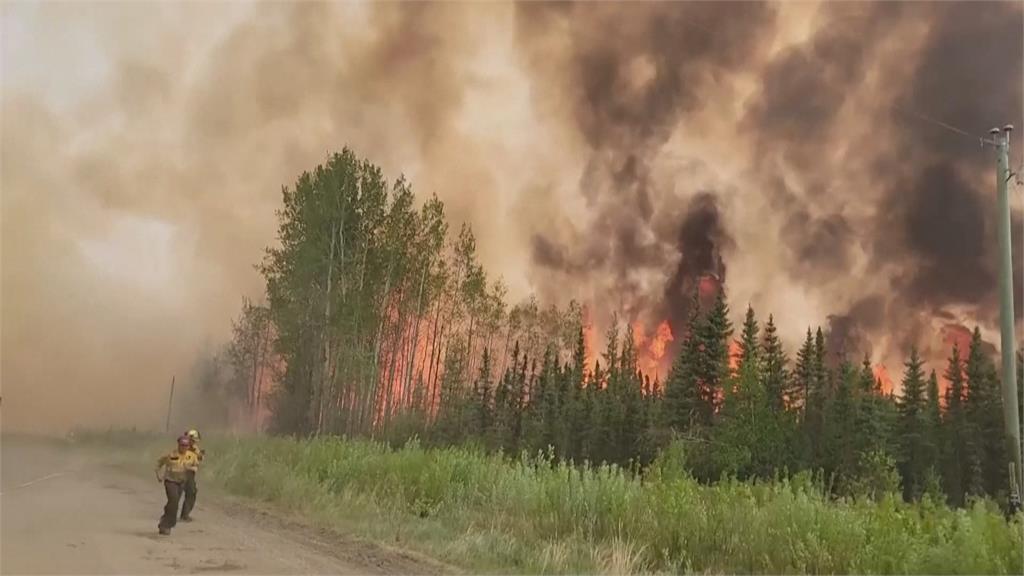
point(615, 154)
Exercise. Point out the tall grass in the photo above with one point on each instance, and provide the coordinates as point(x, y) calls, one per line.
point(534, 515)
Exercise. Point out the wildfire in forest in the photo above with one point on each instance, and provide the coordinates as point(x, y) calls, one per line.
point(589, 340)
point(958, 335)
point(952, 335)
point(735, 351)
point(410, 359)
point(650, 349)
point(883, 378)
point(707, 288)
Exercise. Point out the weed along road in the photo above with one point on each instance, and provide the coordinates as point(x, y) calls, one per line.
point(63, 512)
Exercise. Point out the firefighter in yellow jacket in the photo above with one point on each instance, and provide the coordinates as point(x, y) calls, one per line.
point(190, 476)
point(172, 470)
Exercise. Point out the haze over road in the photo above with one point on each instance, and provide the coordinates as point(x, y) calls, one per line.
point(62, 512)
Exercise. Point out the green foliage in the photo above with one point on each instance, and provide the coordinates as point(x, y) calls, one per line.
point(876, 477)
point(984, 416)
point(916, 441)
point(457, 502)
point(774, 371)
point(383, 325)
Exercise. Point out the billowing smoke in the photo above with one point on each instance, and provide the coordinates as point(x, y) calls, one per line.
point(625, 81)
point(621, 155)
point(144, 148)
point(867, 212)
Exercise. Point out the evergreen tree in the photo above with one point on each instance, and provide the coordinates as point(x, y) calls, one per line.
point(803, 376)
point(683, 398)
point(712, 357)
point(956, 455)
point(872, 428)
point(505, 405)
point(750, 438)
point(595, 427)
point(575, 409)
point(934, 418)
point(541, 414)
point(483, 393)
point(840, 451)
point(816, 385)
point(822, 379)
point(985, 418)
point(632, 420)
point(774, 373)
point(453, 412)
point(749, 346)
point(915, 446)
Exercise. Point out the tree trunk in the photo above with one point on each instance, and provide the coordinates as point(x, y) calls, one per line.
point(360, 346)
point(375, 376)
point(429, 392)
point(325, 336)
point(416, 331)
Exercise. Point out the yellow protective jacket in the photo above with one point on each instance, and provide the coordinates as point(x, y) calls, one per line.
point(174, 465)
point(195, 449)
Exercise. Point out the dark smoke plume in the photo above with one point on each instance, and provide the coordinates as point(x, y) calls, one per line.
point(878, 213)
point(614, 152)
point(628, 80)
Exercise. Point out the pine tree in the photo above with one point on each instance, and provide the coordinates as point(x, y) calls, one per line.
point(934, 418)
point(840, 451)
point(872, 428)
point(933, 478)
point(572, 382)
point(628, 398)
point(683, 396)
point(749, 346)
point(712, 365)
point(505, 405)
point(750, 437)
point(915, 446)
point(955, 434)
point(817, 385)
point(984, 415)
point(803, 376)
point(595, 425)
point(774, 373)
point(541, 413)
point(483, 393)
point(822, 379)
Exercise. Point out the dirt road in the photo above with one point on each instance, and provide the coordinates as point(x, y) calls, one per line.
point(61, 512)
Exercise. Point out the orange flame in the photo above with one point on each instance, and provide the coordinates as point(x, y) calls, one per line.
point(882, 376)
point(650, 349)
point(662, 336)
point(708, 286)
point(589, 340)
point(735, 352)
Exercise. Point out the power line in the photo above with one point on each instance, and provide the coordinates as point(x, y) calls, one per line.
point(945, 125)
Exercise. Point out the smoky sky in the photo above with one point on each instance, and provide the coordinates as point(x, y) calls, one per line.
point(880, 213)
point(612, 153)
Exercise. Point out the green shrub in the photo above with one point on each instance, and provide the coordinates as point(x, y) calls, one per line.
point(535, 515)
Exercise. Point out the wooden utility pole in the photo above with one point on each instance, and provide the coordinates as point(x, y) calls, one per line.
point(170, 404)
point(1001, 140)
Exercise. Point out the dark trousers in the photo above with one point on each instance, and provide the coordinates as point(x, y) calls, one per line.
point(170, 517)
point(190, 493)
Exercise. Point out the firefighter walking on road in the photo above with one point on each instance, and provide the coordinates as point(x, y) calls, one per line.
point(172, 470)
point(190, 476)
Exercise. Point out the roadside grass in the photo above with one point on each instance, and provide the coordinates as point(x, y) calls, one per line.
point(532, 515)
